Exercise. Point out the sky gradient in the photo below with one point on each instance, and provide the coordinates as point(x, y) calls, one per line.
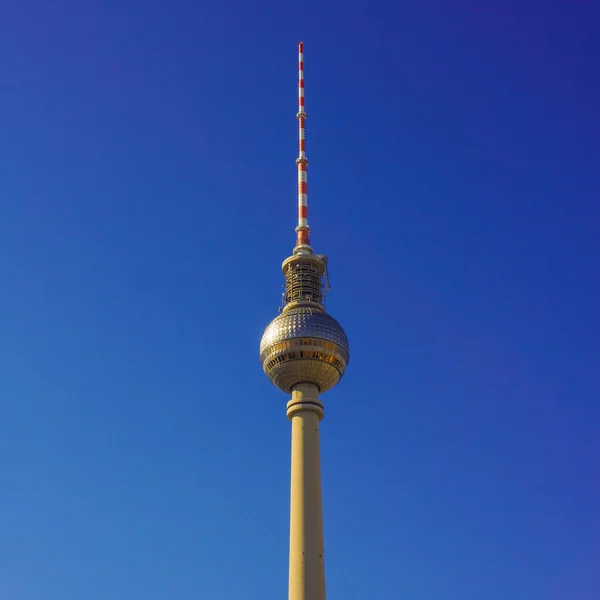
point(148, 200)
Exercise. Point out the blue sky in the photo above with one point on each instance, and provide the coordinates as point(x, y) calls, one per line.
point(148, 199)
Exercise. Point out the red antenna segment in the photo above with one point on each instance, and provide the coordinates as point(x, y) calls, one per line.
point(303, 229)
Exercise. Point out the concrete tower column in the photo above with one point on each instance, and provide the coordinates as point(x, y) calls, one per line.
point(307, 565)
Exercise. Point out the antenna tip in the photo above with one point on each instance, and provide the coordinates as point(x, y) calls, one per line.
point(301, 46)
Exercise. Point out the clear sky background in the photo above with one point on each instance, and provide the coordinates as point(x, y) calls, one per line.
point(148, 199)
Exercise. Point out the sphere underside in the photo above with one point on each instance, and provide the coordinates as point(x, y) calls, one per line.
point(304, 345)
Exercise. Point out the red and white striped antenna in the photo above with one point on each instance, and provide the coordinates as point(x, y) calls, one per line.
point(303, 229)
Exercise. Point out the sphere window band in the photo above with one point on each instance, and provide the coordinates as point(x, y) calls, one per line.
point(314, 355)
point(298, 342)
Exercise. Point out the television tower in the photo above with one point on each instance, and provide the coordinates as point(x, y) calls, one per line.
point(304, 351)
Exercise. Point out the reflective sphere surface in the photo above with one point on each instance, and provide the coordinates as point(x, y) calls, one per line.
point(304, 345)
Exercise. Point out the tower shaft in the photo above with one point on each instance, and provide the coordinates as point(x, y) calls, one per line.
point(307, 564)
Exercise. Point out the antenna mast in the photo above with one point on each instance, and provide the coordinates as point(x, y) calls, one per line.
point(303, 229)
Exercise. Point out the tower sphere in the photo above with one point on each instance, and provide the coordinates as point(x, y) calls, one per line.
point(304, 345)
